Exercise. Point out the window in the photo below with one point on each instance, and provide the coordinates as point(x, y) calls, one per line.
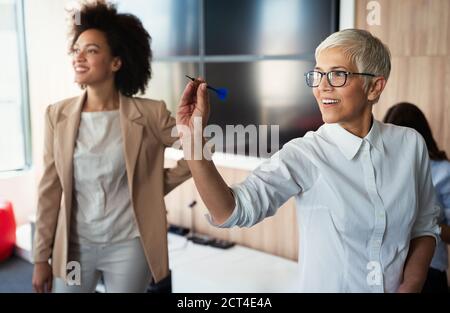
point(258, 49)
point(14, 109)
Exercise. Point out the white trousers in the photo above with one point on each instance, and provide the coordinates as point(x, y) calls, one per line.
point(123, 266)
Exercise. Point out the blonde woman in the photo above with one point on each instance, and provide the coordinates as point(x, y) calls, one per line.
point(363, 189)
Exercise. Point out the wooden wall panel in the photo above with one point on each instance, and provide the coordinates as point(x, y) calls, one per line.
point(420, 80)
point(446, 109)
point(418, 35)
point(410, 27)
point(177, 204)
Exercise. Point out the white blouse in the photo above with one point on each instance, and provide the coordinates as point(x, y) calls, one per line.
point(102, 211)
point(359, 203)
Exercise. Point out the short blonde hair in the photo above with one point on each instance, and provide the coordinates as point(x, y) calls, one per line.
point(363, 49)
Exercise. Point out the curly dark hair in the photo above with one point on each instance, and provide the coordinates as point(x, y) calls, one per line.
point(127, 39)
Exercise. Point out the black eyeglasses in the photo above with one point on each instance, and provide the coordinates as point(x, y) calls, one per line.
point(335, 78)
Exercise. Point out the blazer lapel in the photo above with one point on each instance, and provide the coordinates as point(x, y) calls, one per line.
point(67, 130)
point(131, 134)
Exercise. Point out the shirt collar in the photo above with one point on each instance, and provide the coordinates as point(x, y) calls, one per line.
point(350, 144)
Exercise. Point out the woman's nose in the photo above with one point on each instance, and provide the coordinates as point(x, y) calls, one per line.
point(79, 56)
point(324, 85)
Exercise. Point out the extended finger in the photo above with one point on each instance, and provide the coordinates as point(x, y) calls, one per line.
point(188, 93)
point(202, 98)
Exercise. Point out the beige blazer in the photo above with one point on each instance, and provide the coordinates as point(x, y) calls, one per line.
point(146, 129)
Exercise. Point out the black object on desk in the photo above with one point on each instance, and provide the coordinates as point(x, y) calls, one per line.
point(200, 239)
point(221, 244)
point(209, 241)
point(178, 230)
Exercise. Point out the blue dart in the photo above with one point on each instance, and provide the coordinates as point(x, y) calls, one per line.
point(221, 92)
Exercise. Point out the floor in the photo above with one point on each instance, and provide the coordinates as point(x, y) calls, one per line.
point(15, 276)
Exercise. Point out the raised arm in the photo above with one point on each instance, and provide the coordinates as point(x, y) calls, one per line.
point(193, 110)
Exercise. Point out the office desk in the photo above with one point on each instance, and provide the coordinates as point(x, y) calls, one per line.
point(198, 268)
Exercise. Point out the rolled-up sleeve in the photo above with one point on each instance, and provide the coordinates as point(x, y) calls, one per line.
point(285, 174)
point(231, 221)
point(426, 223)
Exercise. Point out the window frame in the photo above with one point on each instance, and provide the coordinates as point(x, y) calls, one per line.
point(24, 91)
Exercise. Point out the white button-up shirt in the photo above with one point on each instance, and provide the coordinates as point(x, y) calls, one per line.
point(359, 203)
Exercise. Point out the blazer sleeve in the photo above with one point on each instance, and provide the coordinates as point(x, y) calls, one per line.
point(49, 197)
point(168, 135)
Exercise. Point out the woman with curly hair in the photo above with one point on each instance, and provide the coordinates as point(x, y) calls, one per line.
point(101, 205)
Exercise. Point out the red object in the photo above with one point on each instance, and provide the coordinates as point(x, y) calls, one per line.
point(7, 230)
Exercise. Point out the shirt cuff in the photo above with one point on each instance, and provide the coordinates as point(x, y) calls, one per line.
point(433, 233)
point(231, 221)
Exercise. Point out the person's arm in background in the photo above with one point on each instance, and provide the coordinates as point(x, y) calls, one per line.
point(443, 191)
point(445, 233)
point(49, 202)
point(178, 174)
point(425, 230)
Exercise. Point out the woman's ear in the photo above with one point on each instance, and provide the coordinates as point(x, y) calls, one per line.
point(376, 87)
point(117, 64)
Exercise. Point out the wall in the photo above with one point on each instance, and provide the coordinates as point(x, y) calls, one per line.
point(418, 35)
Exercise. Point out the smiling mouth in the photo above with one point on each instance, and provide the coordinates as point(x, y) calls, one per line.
point(80, 69)
point(330, 102)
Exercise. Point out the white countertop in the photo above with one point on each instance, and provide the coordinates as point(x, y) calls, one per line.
point(198, 268)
